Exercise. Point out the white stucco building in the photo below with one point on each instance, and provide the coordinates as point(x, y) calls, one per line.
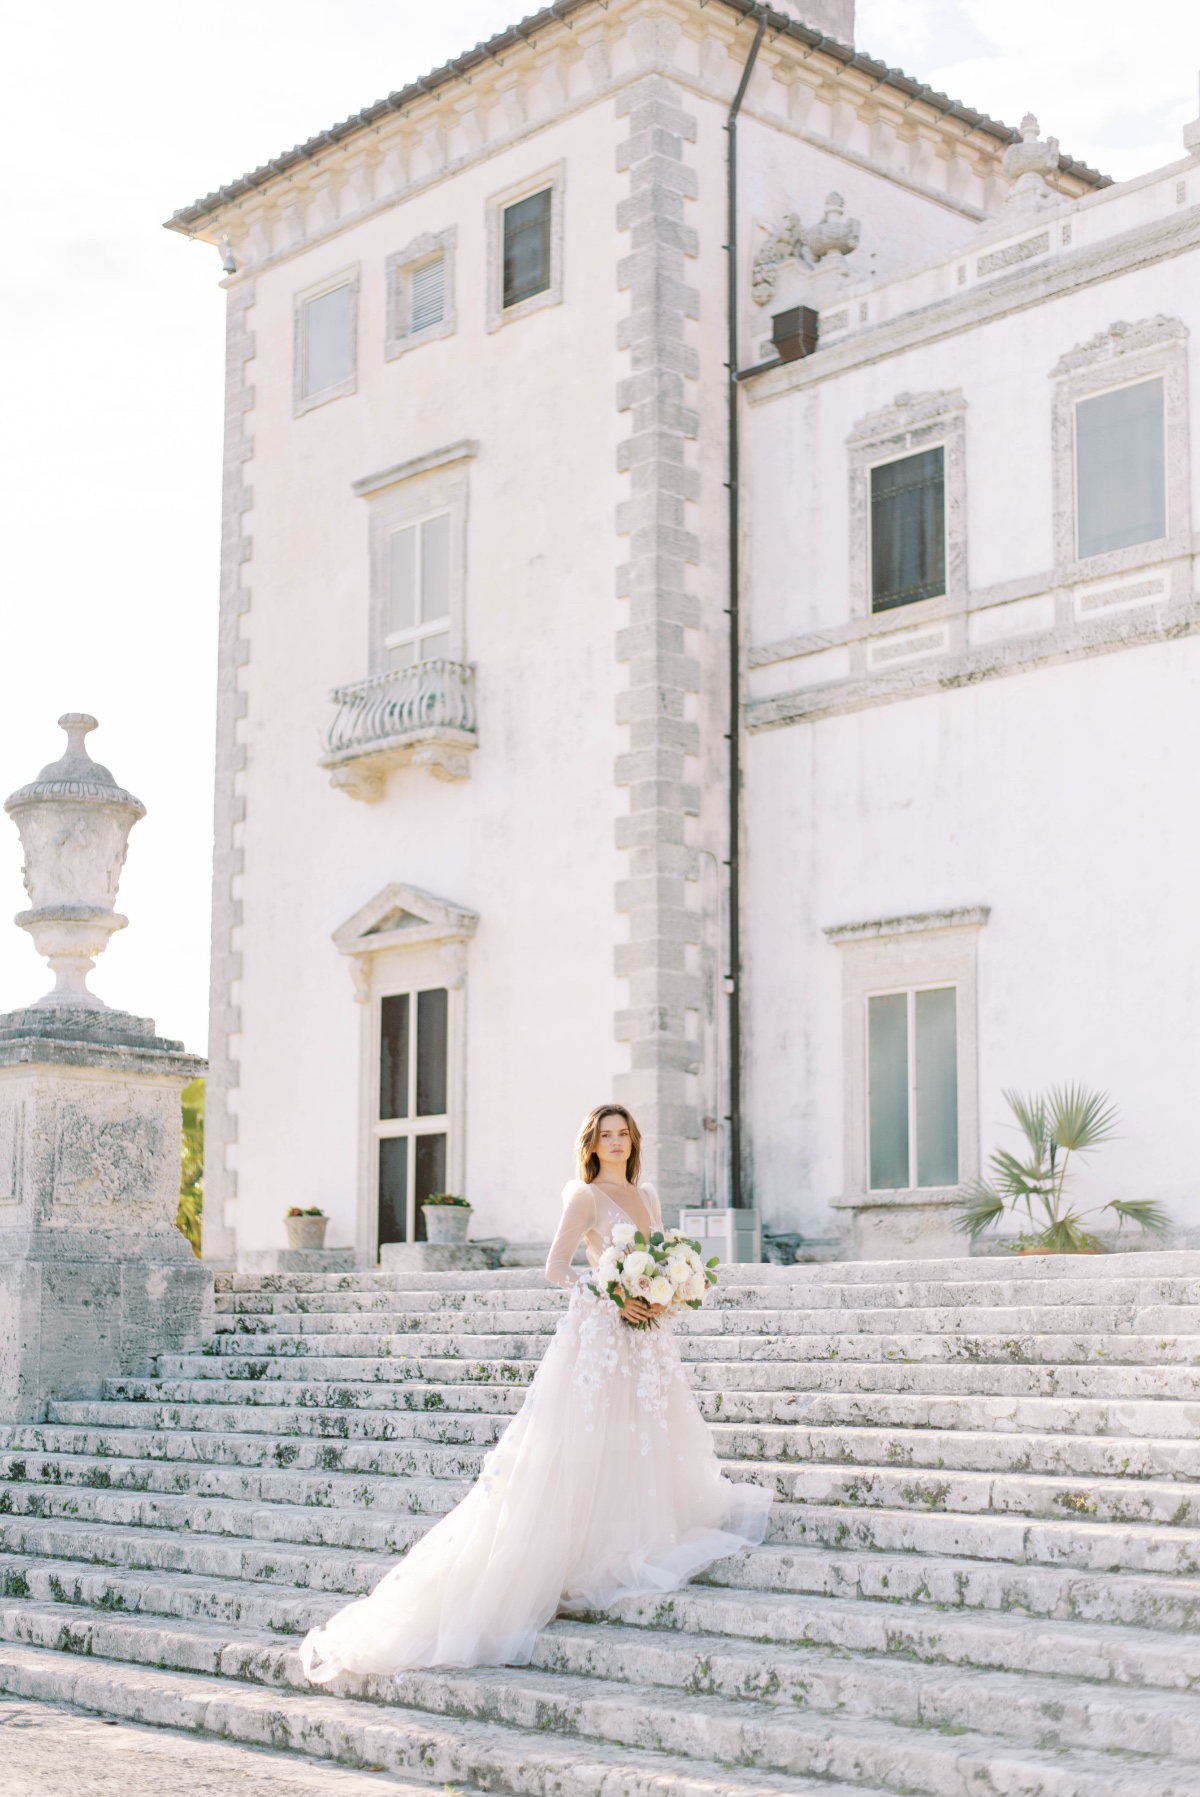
point(476, 481)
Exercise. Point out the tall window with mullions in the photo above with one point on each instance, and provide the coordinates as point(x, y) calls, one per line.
point(414, 1103)
point(527, 247)
point(908, 530)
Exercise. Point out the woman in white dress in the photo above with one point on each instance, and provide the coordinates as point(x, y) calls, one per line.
point(604, 1485)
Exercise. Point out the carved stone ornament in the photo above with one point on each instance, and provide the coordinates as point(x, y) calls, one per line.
point(825, 243)
point(1122, 339)
point(74, 822)
point(1027, 164)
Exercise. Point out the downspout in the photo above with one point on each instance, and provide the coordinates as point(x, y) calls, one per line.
point(733, 978)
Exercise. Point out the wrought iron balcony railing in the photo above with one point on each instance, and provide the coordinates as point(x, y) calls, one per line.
point(423, 715)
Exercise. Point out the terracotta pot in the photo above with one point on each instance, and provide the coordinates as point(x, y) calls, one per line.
point(446, 1222)
point(306, 1232)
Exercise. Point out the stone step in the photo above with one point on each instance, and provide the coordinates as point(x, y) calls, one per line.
point(588, 1668)
point(929, 1751)
point(430, 1482)
point(945, 1582)
point(1178, 1384)
point(1173, 1273)
point(991, 1641)
point(198, 1447)
point(409, 1494)
point(330, 1395)
point(981, 1332)
point(963, 1450)
point(457, 1751)
point(396, 1444)
point(177, 1422)
point(100, 1545)
point(197, 1517)
point(1153, 1418)
point(390, 1336)
point(996, 1641)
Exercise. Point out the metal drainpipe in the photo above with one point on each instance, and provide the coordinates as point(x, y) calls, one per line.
point(735, 768)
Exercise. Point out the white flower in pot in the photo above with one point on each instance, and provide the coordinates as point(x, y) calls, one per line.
point(306, 1228)
point(447, 1217)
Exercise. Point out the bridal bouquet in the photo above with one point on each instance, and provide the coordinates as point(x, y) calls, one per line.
point(666, 1271)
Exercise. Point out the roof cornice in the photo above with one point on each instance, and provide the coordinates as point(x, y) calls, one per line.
point(520, 38)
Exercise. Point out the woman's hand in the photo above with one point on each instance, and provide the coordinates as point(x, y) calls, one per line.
point(636, 1312)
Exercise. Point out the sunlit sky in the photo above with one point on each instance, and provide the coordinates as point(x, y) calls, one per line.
point(113, 329)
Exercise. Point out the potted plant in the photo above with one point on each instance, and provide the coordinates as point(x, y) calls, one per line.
point(306, 1228)
point(447, 1217)
point(1064, 1121)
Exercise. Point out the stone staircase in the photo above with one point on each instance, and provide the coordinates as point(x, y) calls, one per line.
point(981, 1579)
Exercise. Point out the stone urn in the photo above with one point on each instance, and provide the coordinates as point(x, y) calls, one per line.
point(306, 1232)
point(74, 822)
point(446, 1222)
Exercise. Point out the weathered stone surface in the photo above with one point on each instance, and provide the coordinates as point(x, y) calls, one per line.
point(981, 1573)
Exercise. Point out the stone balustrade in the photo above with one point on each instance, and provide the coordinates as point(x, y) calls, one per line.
point(422, 716)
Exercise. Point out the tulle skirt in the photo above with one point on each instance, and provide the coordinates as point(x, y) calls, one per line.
point(604, 1485)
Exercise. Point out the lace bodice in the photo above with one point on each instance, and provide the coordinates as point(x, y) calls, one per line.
point(589, 1216)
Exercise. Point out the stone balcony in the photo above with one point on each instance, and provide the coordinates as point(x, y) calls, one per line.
point(423, 716)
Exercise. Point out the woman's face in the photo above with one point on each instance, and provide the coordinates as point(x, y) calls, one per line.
point(613, 1144)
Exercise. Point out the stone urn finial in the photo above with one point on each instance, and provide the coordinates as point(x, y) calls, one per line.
point(74, 821)
point(835, 235)
point(1027, 164)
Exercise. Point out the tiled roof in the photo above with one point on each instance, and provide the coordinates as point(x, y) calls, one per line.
point(560, 13)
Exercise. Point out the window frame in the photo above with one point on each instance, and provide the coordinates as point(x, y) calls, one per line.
point(303, 402)
point(902, 605)
point(554, 179)
point(913, 423)
point(398, 271)
point(410, 494)
point(1122, 356)
point(909, 992)
point(406, 939)
point(395, 639)
point(922, 952)
point(409, 1128)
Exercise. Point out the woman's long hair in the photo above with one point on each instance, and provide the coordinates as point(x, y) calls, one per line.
point(588, 1161)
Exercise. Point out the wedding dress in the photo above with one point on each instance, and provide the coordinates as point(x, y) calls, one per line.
point(604, 1485)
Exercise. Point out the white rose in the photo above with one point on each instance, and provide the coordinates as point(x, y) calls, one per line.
point(639, 1265)
point(661, 1291)
point(695, 1288)
point(623, 1234)
point(678, 1271)
point(608, 1266)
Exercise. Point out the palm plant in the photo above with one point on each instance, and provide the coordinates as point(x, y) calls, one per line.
point(1065, 1121)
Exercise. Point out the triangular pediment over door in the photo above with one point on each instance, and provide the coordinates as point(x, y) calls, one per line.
point(401, 916)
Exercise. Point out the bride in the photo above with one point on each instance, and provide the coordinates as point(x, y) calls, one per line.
point(604, 1485)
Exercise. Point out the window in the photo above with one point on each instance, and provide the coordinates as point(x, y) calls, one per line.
point(417, 535)
point(526, 248)
point(908, 530)
point(910, 1055)
point(414, 1103)
point(418, 593)
point(912, 1088)
point(420, 292)
point(1120, 468)
point(427, 294)
point(326, 352)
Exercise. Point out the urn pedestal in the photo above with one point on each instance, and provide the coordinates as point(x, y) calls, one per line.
point(95, 1279)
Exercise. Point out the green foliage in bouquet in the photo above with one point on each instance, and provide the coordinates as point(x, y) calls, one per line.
point(1064, 1121)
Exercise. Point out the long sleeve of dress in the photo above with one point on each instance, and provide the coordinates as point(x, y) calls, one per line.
point(579, 1215)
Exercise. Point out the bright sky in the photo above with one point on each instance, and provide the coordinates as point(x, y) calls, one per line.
point(112, 333)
